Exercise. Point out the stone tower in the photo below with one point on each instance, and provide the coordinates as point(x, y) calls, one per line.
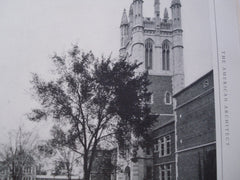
point(177, 48)
point(157, 43)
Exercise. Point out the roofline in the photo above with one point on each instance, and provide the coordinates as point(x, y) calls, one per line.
point(194, 82)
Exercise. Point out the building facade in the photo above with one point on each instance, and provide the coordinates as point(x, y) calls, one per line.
point(184, 136)
point(195, 130)
point(157, 43)
point(28, 172)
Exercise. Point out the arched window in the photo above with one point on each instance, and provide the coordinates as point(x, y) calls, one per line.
point(165, 56)
point(168, 98)
point(148, 53)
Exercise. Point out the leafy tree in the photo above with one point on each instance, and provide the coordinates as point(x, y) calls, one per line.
point(19, 152)
point(64, 159)
point(93, 102)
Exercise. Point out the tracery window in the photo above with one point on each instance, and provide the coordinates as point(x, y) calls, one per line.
point(165, 56)
point(148, 53)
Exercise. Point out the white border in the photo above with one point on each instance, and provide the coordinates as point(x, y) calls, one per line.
point(224, 16)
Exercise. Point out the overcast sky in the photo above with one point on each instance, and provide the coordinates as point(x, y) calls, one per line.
point(32, 30)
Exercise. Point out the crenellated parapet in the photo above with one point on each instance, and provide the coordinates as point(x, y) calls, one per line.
point(150, 25)
point(157, 43)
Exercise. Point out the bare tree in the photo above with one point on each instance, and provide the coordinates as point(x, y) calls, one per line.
point(66, 160)
point(19, 152)
point(93, 101)
point(63, 159)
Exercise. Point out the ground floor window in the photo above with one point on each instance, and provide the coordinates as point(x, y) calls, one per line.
point(165, 172)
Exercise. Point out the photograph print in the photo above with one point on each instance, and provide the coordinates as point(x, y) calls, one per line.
point(108, 90)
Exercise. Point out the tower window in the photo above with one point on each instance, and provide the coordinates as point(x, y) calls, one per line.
point(150, 101)
point(148, 53)
point(165, 56)
point(168, 98)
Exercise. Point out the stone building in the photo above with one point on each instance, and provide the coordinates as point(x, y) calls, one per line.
point(157, 43)
point(28, 172)
point(195, 130)
point(176, 154)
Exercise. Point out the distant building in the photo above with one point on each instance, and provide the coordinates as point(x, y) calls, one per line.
point(195, 130)
point(29, 172)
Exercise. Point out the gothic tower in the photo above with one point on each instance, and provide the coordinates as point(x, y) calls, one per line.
point(178, 71)
point(157, 43)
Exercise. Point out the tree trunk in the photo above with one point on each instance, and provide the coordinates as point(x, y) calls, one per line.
point(69, 176)
point(85, 167)
point(69, 171)
point(86, 176)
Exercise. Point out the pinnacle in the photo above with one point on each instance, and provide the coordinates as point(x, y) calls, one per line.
point(124, 18)
point(166, 14)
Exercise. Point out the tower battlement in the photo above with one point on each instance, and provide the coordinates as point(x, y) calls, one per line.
point(157, 43)
point(154, 41)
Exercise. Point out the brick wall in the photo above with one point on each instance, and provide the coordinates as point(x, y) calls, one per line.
point(169, 159)
point(197, 164)
point(196, 122)
point(195, 130)
point(195, 89)
point(159, 85)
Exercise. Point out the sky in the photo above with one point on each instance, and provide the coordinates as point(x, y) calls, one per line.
point(31, 31)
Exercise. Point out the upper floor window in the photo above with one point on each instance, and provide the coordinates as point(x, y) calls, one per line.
point(165, 146)
point(165, 56)
point(168, 98)
point(148, 53)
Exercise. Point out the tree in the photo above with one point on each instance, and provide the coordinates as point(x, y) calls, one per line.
point(19, 152)
point(93, 102)
point(104, 165)
point(64, 159)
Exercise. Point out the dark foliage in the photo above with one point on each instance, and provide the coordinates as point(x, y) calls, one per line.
point(94, 102)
